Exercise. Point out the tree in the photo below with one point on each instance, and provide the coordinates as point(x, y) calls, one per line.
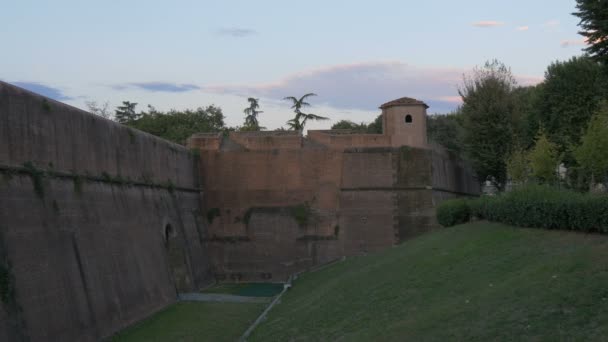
point(518, 167)
point(488, 119)
point(251, 118)
point(543, 159)
point(177, 126)
point(101, 110)
point(446, 130)
point(571, 93)
point(527, 122)
point(347, 124)
point(299, 121)
point(594, 24)
point(375, 127)
point(592, 153)
point(126, 113)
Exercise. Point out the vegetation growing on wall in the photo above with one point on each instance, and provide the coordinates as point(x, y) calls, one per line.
point(46, 106)
point(77, 180)
point(132, 137)
point(228, 239)
point(301, 213)
point(7, 175)
point(213, 213)
point(37, 177)
point(6, 286)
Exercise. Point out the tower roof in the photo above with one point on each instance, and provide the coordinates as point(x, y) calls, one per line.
point(404, 101)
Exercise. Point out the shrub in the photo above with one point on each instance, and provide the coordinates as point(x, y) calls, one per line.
point(540, 207)
point(453, 212)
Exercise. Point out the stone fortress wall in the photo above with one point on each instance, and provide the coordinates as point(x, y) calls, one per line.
point(100, 225)
point(278, 203)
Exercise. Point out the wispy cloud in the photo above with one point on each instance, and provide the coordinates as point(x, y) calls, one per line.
point(237, 32)
point(157, 87)
point(364, 86)
point(522, 28)
point(44, 90)
point(552, 24)
point(488, 23)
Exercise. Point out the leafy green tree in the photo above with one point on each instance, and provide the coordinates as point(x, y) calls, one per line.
point(347, 124)
point(101, 110)
point(592, 153)
point(446, 130)
point(571, 93)
point(594, 24)
point(518, 167)
point(375, 127)
point(527, 121)
point(252, 112)
point(544, 159)
point(489, 110)
point(126, 113)
point(299, 120)
point(178, 126)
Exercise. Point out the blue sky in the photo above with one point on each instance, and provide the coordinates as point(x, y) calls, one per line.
point(354, 54)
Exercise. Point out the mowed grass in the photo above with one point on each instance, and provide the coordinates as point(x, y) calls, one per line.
point(195, 321)
point(476, 282)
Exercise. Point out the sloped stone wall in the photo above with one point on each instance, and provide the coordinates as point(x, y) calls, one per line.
point(84, 207)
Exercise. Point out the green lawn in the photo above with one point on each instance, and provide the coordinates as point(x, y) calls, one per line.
point(247, 289)
point(195, 321)
point(477, 282)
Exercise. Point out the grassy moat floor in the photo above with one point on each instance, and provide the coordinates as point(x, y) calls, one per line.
point(475, 282)
point(195, 321)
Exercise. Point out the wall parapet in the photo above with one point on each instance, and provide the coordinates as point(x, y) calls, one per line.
point(344, 139)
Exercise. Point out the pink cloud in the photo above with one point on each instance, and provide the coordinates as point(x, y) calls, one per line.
point(365, 86)
point(574, 42)
point(522, 28)
point(488, 23)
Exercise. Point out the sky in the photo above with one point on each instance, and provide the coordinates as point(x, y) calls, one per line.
point(355, 55)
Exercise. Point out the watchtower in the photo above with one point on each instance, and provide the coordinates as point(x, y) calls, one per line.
point(404, 120)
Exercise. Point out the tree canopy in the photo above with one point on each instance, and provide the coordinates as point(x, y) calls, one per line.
point(374, 127)
point(447, 130)
point(251, 118)
point(594, 26)
point(571, 93)
point(299, 120)
point(126, 113)
point(178, 126)
point(489, 111)
point(592, 153)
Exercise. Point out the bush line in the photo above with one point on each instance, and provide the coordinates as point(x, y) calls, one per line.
point(534, 206)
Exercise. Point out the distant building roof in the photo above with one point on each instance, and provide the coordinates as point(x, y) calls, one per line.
point(404, 101)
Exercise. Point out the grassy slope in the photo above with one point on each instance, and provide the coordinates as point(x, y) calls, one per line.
point(478, 282)
point(195, 322)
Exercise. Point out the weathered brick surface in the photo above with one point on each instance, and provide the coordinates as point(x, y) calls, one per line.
point(362, 200)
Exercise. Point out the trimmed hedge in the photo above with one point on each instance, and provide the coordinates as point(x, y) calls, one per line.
point(539, 207)
point(453, 212)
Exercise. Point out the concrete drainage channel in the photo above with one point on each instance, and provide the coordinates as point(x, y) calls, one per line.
point(219, 297)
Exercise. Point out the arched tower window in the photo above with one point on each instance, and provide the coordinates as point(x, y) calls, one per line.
point(408, 119)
